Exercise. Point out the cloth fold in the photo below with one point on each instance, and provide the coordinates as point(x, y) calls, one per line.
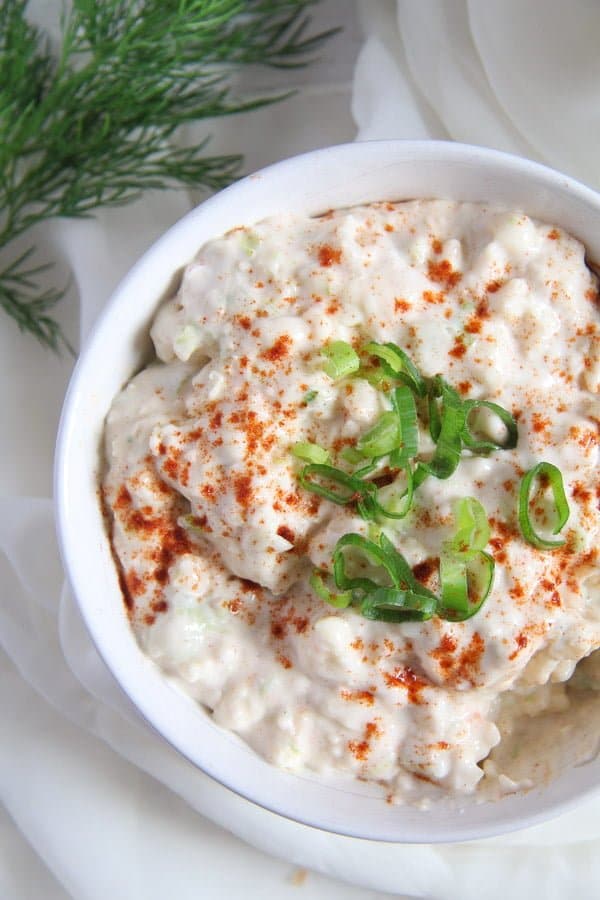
point(104, 802)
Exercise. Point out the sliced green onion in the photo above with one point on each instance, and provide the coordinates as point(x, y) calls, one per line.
point(351, 455)
point(347, 487)
point(386, 556)
point(402, 573)
point(382, 438)
point(473, 529)
point(344, 488)
point(466, 571)
point(312, 453)
point(369, 549)
point(249, 241)
point(465, 584)
point(403, 403)
point(543, 470)
point(400, 505)
point(489, 445)
point(420, 474)
point(342, 360)
point(435, 419)
point(393, 605)
point(449, 443)
point(397, 364)
point(367, 468)
point(341, 601)
point(309, 397)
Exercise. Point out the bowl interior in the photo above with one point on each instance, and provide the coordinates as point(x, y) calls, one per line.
point(312, 183)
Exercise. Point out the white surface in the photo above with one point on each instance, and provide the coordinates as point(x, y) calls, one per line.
point(58, 780)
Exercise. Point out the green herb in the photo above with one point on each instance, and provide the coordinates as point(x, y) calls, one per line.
point(397, 364)
point(317, 582)
point(309, 397)
point(91, 124)
point(382, 438)
point(487, 445)
point(465, 584)
point(543, 472)
point(312, 453)
point(466, 571)
point(342, 360)
point(403, 402)
point(389, 591)
point(394, 605)
point(395, 434)
point(383, 585)
point(339, 487)
point(473, 529)
point(448, 428)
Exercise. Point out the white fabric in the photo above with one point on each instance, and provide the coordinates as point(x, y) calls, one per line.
point(516, 75)
point(103, 807)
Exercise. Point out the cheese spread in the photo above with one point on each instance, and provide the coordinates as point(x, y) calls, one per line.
point(216, 539)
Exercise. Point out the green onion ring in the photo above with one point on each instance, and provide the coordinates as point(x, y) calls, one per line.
point(403, 574)
point(458, 579)
point(312, 453)
point(555, 479)
point(446, 457)
point(473, 529)
point(403, 403)
point(488, 446)
point(406, 496)
point(355, 489)
point(367, 547)
point(342, 360)
point(340, 601)
point(397, 364)
point(382, 438)
point(393, 605)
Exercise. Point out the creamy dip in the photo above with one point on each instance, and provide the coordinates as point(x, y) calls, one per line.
point(216, 540)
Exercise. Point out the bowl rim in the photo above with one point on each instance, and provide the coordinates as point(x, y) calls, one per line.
point(357, 153)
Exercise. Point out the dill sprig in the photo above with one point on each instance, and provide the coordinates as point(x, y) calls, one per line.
point(90, 123)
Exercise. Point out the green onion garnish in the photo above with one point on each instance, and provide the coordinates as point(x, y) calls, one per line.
point(488, 445)
point(450, 418)
point(340, 488)
point(374, 554)
point(400, 505)
point(543, 471)
point(342, 360)
point(341, 601)
point(403, 574)
point(397, 364)
point(403, 402)
point(344, 488)
point(312, 453)
point(466, 571)
point(415, 600)
point(465, 584)
point(351, 455)
point(389, 591)
point(473, 530)
point(382, 438)
point(309, 397)
point(393, 605)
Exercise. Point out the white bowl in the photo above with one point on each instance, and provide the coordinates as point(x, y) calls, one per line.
point(311, 183)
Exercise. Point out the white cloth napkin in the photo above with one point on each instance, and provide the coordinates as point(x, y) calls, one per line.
point(100, 799)
point(516, 75)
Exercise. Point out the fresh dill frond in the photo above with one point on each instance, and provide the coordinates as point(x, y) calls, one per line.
point(91, 123)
